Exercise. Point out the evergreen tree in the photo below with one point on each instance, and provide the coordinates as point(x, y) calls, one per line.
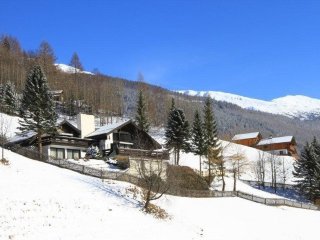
point(9, 98)
point(307, 171)
point(1, 97)
point(212, 148)
point(198, 137)
point(75, 62)
point(141, 115)
point(37, 107)
point(177, 132)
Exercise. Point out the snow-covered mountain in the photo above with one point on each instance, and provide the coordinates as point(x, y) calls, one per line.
point(68, 69)
point(297, 106)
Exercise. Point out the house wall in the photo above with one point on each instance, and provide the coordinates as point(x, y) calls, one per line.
point(105, 144)
point(46, 150)
point(247, 142)
point(277, 147)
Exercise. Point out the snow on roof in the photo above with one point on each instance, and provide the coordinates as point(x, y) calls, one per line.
point(108, 128)
point(245, 136)
point(267, 141)
point(56, 92)
point(19, 137)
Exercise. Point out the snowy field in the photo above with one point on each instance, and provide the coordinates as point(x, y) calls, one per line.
point(40, 201)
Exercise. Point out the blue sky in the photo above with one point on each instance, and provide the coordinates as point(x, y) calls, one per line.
point(261, 49)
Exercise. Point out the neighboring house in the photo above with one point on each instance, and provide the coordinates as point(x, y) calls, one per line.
point(123, 137)
point(247, 139)
point(279, 145)
point(57, 95)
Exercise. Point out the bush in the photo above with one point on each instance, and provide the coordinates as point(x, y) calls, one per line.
point(123, 162)
point(4, 161)
point(185, 177)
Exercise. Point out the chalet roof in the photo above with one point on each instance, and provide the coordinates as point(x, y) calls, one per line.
point(70, 124)
point(106, 129)
point(245, 136)
point(268, 141)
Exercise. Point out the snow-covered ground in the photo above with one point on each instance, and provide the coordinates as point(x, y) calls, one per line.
point(290, 106)
point(251, 156)
point(40, 201)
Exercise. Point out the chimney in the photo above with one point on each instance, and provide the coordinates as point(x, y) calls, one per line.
point(86, 124)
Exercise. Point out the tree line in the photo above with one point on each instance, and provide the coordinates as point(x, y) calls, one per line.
point(104, 95)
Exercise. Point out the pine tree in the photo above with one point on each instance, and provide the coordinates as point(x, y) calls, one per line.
point(141, 115)
point(9, 98)
point(177, 132)
point(37, 106)
point(198, 137)
point(212, 148)
point(307, 171)
point(1, 97)
point(75, 62)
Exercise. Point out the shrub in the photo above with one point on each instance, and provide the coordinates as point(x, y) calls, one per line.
point(185, 177)
point(123, 162)
point(157, 211)
point(4, 161)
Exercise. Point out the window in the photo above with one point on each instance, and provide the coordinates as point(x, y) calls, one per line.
point(57, 153)
point(73, 154)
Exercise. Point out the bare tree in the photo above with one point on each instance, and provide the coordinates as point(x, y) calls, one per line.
point(260, 168)
point(238, 164)
point(275, 166)
point(285, 169)
point(152, 176)
point(4, 130)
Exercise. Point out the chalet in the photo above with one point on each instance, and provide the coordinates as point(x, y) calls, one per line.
point(73, 139)
point(122, 136)
point(247, 139)
point(279, 145)
point(67, 143)
point(57, 95)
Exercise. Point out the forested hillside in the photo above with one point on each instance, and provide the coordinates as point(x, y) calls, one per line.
point(105, 95)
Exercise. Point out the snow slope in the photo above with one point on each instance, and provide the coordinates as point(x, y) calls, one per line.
point(250, 154)
point(68, 69)
point(291, 106)
point(40, 201)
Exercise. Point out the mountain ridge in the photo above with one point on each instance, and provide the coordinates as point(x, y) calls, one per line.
point(293, 106)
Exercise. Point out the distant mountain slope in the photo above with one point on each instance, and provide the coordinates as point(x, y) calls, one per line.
point(297, 106)
point(68, 69)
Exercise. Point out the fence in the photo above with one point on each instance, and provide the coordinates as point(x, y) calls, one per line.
point(268, 184)
point(124, 176)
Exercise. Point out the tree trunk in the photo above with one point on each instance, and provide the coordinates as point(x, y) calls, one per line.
point(200, 164)
point(234, 181)
point(146, 204)
point(40, 145)
point(178, 156)
point(223, 182)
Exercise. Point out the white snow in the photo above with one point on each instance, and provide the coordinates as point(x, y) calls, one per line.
point(245, 136)
point(68, 69)
point(40, 201)
point(290, 106)
point(267, 141)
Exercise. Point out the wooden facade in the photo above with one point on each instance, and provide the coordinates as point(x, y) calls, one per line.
point(250, 139)
point(287, 146)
